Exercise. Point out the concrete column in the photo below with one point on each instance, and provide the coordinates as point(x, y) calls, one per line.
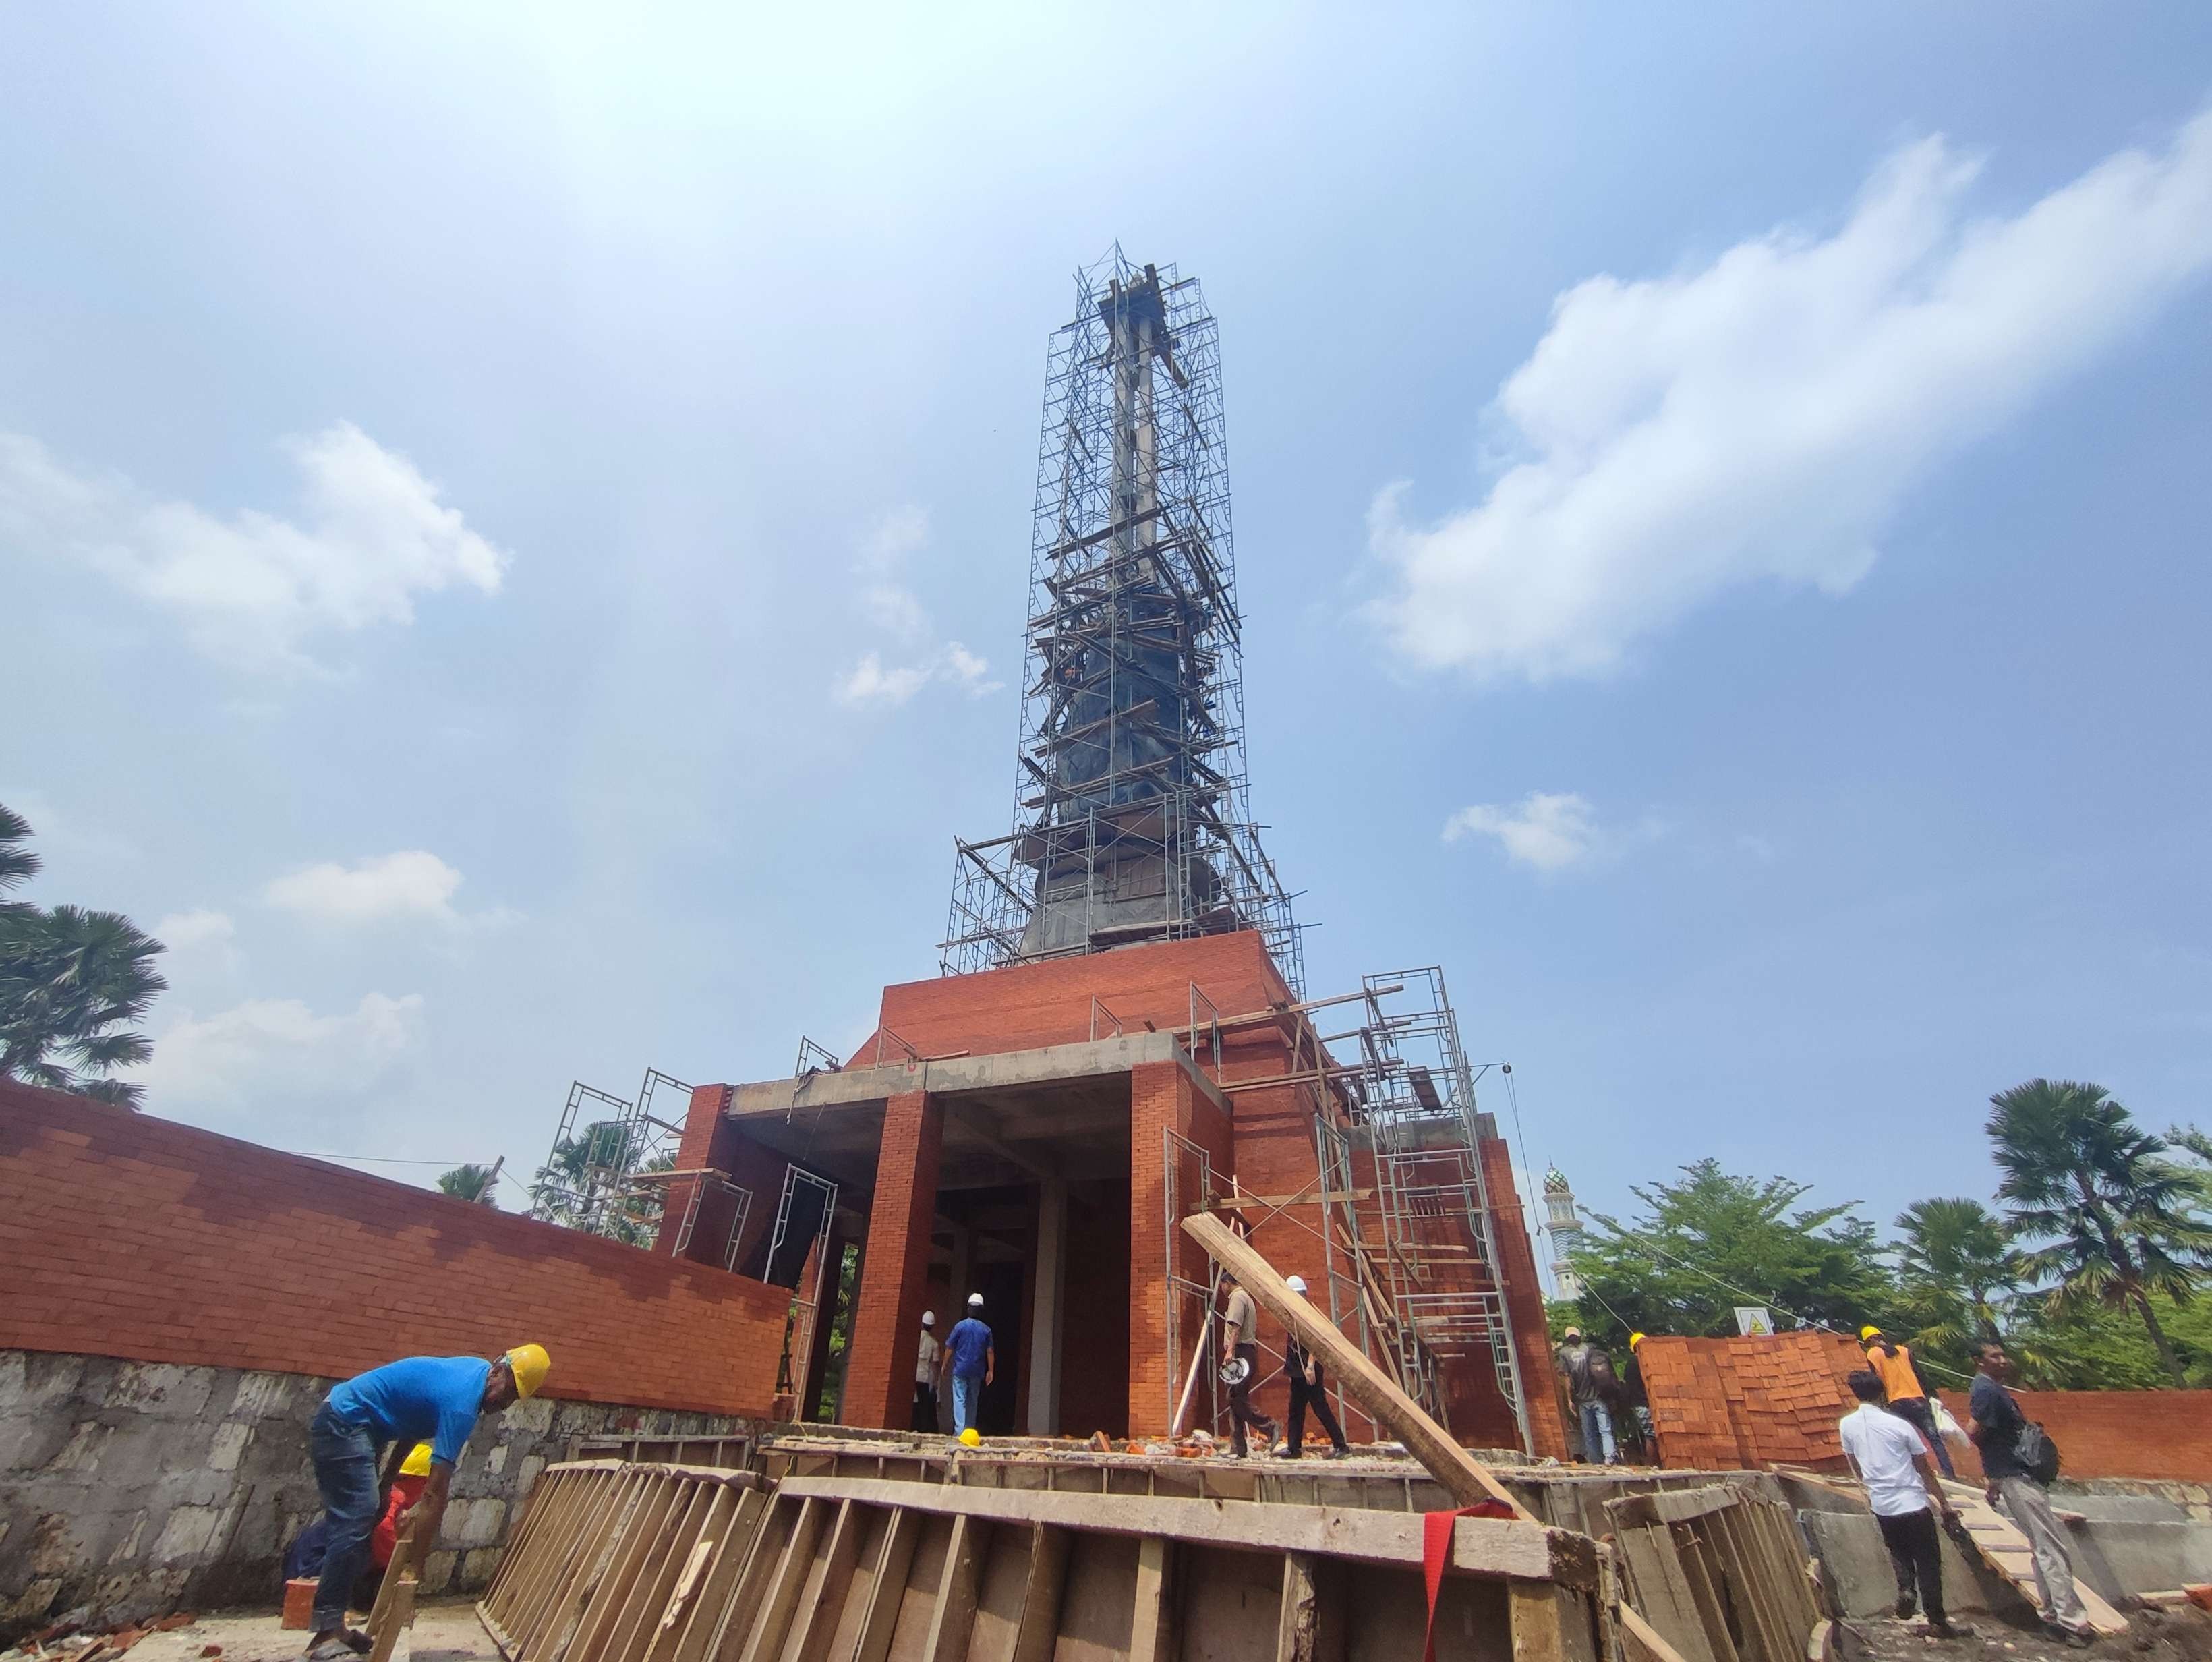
point(1051, 1265)
point(895, 1270)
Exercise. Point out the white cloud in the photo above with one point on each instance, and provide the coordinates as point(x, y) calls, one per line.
point(251, 589)
point(893, 607)
point(1759, 419)
point(196, 931)
point(412, 885)
point(272, 1045)
point(1550, 831)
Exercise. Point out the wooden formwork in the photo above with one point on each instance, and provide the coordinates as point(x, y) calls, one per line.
point(628, 1564)
point(1720, 1574)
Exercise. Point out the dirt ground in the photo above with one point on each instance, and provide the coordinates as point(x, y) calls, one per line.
point(2184, 1635)
point(445, 1630)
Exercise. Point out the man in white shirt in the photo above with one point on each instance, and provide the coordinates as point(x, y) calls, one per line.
point(1893, 1461)
point(925, 1375)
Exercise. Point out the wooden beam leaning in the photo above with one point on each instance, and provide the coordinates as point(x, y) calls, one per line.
point(888, 1594)
point(1462, 1474)
point(1152, 1618)
point(1039, 1629)
point(1496, 1547)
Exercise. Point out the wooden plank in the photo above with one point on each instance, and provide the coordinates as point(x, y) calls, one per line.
point(763, 1557)
point(1050, 1548)
point(1551, 1623)
point(1152, 1636)
point(889, 1592)
point(773, 1620)
point(610, 1600)
point(1310, 1627)
point(1712, 1613)
point(1469, 1482)
point(547, 1603)
point(2010, 1554)
point(1660, 1591)
point(1649, 1645)
point(1492, 1547)
point(688, 1643)
point(823, 1598)
point(954, 1614)
point(670, 1550)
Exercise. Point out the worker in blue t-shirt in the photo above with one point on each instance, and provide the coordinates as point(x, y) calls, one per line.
point(433, 1399)
point(972, 1362)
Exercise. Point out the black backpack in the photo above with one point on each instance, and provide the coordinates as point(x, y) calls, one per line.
point(2037, 1454)
point(1598, 1365)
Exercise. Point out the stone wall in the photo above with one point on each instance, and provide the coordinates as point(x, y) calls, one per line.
point(131, 1488)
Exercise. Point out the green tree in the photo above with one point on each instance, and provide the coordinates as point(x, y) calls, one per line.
point(1958, 1274)
point(1715, 1240)
point(2117, 1218)
point(469, 1183)
point(584, 1184)
point(72, 984)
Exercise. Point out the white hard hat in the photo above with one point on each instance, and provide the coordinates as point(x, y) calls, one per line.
point(975, 1300)
point(929, 1318)
point(1295, 1283)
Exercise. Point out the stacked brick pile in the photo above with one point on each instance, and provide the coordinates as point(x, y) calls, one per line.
point(1732, 1404)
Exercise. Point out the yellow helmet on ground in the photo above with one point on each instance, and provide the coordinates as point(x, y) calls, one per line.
point(972, 1438)
point(528, 1363)
point(1634, 1340)
point(1868, 1332)
point(417, 1462)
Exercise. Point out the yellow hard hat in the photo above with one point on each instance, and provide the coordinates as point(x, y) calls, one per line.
point(528, 1363)
point(417, 1462)
point(1869, 1332)
point(1634, 1340)
point(972, 1438)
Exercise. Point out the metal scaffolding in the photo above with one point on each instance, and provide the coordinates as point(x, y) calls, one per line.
point(1132, 817)
point(609, 1158)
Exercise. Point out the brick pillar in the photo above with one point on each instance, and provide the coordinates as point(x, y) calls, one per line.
point(702, 1120)
point(895, 1269)
point(1159, 1100)
point(1524, 1300)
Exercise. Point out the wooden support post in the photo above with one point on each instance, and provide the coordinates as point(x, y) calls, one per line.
point(1551, 1623)
point(901, 1531)
point(765, 1643)
point(1463, 1476)
point(823, 1599)
point(955, 1615)
point(1151, 1623)
point(1309, 1628)
point(1039, 1629)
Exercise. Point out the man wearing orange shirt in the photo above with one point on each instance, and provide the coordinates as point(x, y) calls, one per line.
point(1907, 1397)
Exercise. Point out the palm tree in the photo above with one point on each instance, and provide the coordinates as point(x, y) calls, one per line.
point(18, 865)
point(469, 1183)
point(2117, 1217)
point(72, 983)
point(1956, 1250)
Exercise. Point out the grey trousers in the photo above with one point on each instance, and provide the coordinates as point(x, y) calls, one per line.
point(2029, 1503)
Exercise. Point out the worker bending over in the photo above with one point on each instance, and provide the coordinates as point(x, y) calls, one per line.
point(434, 1399)
point(1900, 1383)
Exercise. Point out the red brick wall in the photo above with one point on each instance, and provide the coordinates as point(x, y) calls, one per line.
point(1730, 1403)
point(1524, 1306)
point(2112, 1434)
point(125, 1235)
point(1032, 1005)
point(1160, 1100)
point(895, 1269)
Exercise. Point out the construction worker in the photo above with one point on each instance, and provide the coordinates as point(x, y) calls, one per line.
point(1591, 1381)
point(1892, 1459)
point(1908, 1398)
point(433, 1398)
point(399, 1501)
point(1998, 1423)
point(973, 1362)
point(927, 1359)
point(1304, 1370)
point(1240, 1324)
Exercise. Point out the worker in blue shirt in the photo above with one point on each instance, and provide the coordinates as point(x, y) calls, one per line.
point(970, 1358)
point(433, 1399)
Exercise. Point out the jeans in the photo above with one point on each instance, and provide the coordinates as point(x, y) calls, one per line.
point(1317, 1395)
point(1916, 1553)
point(1241, 1411)
point(2029, 1503)
point(1597, 1434)
point(967, 1398)
point(345, 1476)
point(1916, 1413)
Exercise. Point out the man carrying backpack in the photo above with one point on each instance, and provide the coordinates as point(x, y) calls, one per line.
point(1593, 1384)
point(2019, 1463)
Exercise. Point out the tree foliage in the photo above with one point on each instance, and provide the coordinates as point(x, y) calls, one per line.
point(73, 983)
point(469, 1182)
point(2115, 1215)
point(1714, 1240)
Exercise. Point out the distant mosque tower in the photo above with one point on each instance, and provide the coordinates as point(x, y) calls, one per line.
point(1566, 1228)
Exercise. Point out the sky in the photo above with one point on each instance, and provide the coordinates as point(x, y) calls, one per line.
point(514, 523)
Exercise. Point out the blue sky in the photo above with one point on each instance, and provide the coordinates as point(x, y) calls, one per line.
point(514, 532)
